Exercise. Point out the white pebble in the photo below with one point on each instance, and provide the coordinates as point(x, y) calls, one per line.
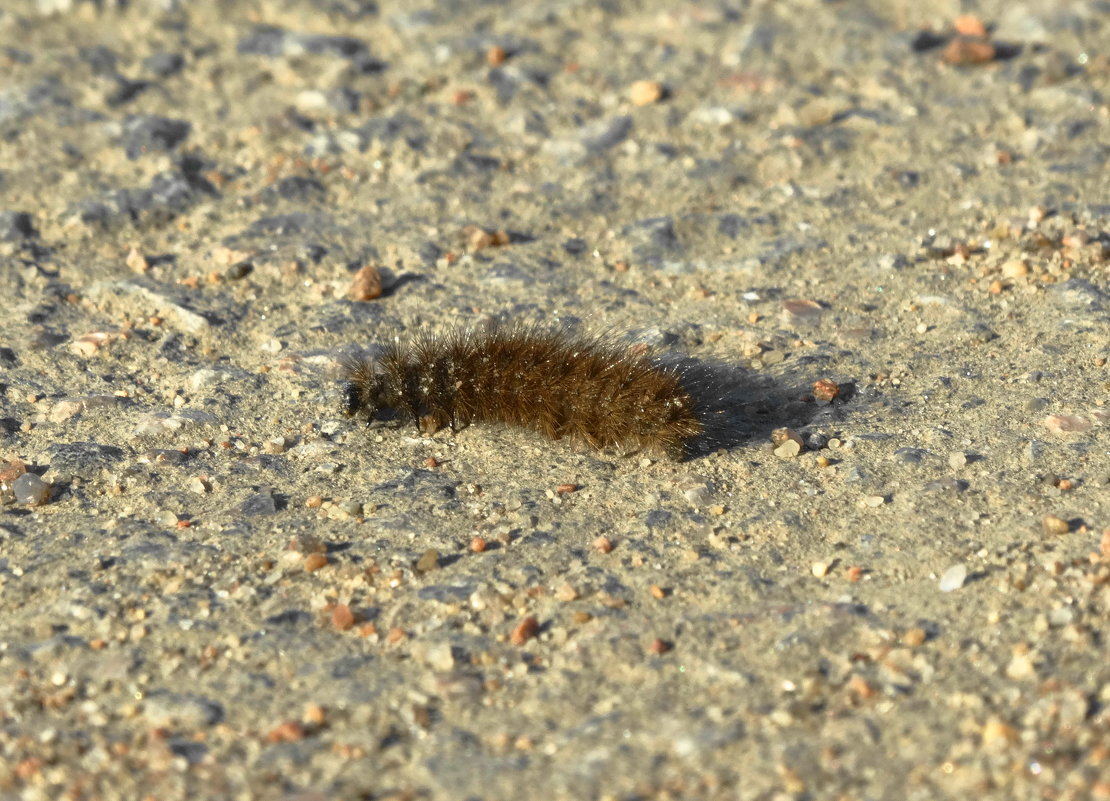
point(30, 490)
point(953, 578)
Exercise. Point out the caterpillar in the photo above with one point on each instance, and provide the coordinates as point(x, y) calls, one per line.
point(552, 381)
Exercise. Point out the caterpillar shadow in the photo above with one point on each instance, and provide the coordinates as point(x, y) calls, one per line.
point(737, 405)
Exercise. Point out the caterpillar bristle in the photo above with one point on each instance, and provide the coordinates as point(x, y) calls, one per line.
point(560, 384)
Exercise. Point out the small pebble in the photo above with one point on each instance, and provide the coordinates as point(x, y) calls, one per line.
point(819, 569)
point(1067, 424)
point(644, 93)
point(658, 647)
point(480, 239)
point(496, 55)
point(913, 637)
point(603, 545)
point(87, 345)
point(965, 51)
point(1076, 239)
point(697, 495)
point(315, 715)
point(30, 490)
point(953, 578)
point(307, 542)
point(428, 562)
point(825, 390)
point(314, 562)
point(366, 285)
point(969, 25)
point(788, 442)
point(290, 731)
point(478, 544)
point(275, 445)
point(436, 655)
point(351, 508)
point(566, 593)
point(342, 617)
point(957, 460)
point(997, 734)
point(788, 450)
point(525, 630)
point(798, 312)
point(1021, 664)
point(11, 469)
point(187, 711)
point(137, 261)
point(1053, 525)
point(1061, 616)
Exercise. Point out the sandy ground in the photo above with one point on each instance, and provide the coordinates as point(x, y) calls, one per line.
point(889, 240)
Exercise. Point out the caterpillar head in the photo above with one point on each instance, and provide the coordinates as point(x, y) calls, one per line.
point(361, 392)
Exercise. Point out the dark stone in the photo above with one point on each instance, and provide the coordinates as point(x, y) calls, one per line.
point(576, 246)
point(169, 194)
point(18, 56)
point(348, 666)
point(909, 178)
point(470, 163)
point(429, 253)
point(601, 136)
point(389, 129)
point(269, 40)
point(85, 460)
point(16, 226)
point(345, 100)
point(164, 64)
point(265, 40)
point(101, 60)
point(503, 83)
point(653, 239)
point(239, 271)
point(290, 617)
point(148, 133)
point(261, 503)
point(351, 9)
point(731, 225)
point(343, 46)
point(911, 455)
point(126, 90)
point(927, 40)
point(296, 187)
point(47, 94)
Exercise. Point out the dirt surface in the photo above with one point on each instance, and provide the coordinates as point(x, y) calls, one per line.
point(889, 239)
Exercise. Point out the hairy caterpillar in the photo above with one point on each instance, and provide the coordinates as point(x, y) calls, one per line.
point(552, 381)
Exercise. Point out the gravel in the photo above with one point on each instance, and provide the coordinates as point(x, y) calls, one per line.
point(876, 250)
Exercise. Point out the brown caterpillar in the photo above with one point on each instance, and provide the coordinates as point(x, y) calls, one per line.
point(552, 381)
